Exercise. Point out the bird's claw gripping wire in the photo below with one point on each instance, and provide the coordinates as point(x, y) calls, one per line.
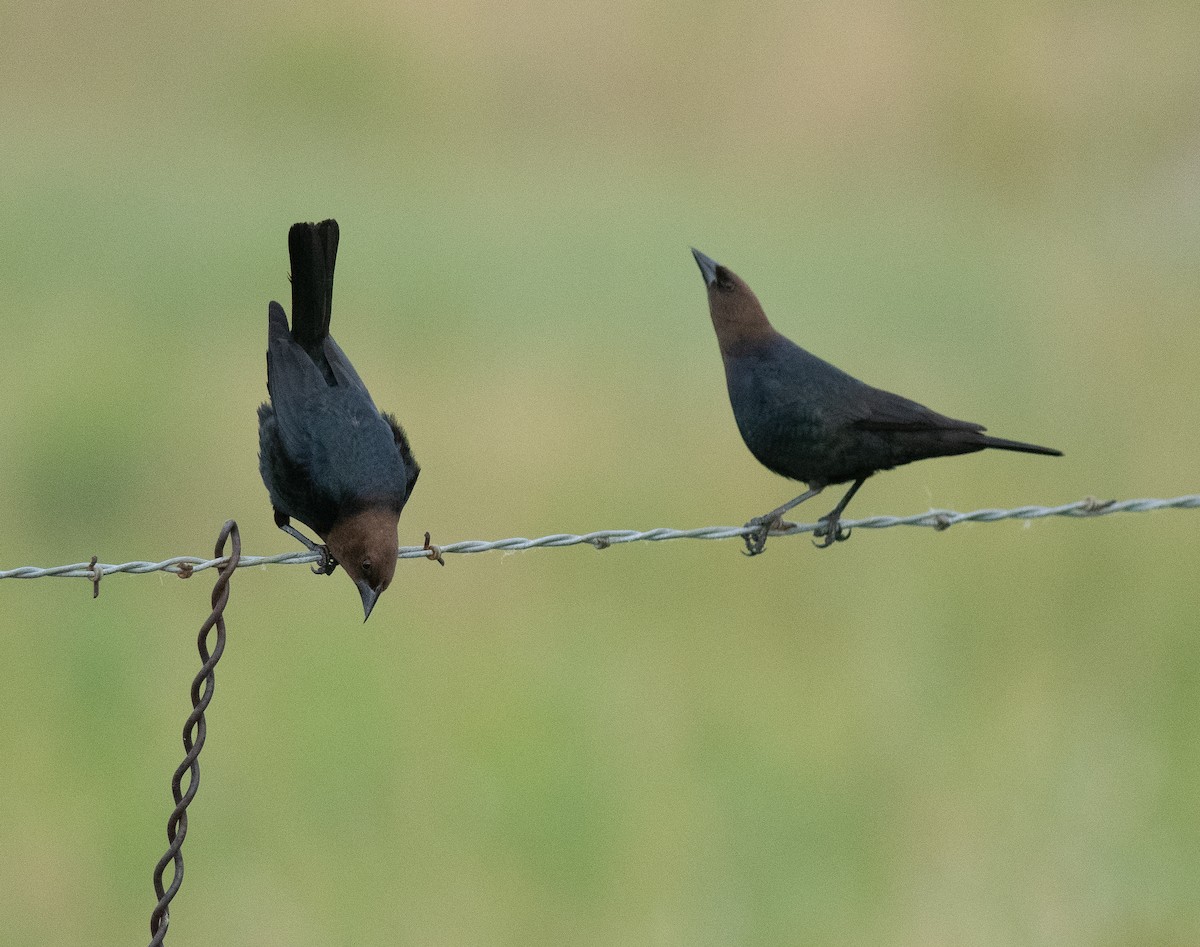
point(756, 541)
point(323, 566)
point(326, 564)
point(831, 531)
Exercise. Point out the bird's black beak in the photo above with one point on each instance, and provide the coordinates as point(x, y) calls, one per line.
point(707, 267)
point(369, 597)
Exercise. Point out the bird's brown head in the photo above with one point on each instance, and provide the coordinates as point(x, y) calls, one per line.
point(365, 545)
point(737, 315)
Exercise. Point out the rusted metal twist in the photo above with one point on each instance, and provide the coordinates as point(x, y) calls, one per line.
point(193, 736)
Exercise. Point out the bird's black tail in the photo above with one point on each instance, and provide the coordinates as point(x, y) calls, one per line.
point(1001, 444)
point(313, 249)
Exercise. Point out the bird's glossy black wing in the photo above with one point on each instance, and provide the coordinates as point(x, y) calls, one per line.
point(880, 411)
point(343, 372)
point(411, 468)
point(293, 382)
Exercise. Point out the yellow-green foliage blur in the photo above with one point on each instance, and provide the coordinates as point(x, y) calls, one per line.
point(983, 736)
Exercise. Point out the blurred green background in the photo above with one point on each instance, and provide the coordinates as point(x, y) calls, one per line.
point(984, 736)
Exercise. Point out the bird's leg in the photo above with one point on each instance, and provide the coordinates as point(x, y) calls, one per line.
point(326, 564)
point(831, 530)
point(757, 541)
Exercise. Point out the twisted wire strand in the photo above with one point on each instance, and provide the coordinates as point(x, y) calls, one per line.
point(601, 539)
point(194, 731)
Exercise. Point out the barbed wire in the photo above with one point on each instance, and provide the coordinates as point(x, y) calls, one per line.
point(185, 566)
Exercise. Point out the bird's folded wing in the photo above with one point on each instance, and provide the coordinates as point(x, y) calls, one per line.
point(411, 468)
point(342, 370)
point(883, 411)
point(293, 382)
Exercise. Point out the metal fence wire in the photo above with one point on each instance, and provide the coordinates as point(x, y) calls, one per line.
point(194, 731)
point(601, 539)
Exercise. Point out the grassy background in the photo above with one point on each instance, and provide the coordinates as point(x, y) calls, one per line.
point(985, 736)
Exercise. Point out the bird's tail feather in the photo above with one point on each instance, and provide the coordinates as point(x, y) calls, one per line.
point(313, 250)
point(1001, 444)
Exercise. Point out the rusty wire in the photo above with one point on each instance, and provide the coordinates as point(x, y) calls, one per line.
point(193, 735)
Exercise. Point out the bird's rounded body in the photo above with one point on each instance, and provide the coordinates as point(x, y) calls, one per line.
point(351, 462)
point(808, 420)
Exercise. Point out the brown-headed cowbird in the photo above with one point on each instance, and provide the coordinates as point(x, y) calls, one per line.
point(806, 420)
point(328, 457)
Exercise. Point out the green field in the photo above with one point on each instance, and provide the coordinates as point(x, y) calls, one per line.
point(986, 736)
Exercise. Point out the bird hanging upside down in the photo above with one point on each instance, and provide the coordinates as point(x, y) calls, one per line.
point(806, 420)
point(328, 457)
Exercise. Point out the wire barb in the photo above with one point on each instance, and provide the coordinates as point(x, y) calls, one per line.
point(193, 735)
point(433, 551)
point(95, 575)
point(185, 566)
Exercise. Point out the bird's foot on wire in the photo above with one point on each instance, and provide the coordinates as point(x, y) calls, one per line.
point(830, 531)
point(756, 541)
point(326, 564)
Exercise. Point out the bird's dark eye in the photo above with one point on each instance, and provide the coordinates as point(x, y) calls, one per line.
point(366, 567)
point(723, 281)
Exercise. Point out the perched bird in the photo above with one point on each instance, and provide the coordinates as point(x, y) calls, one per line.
point(328, 457)
point(809, 421)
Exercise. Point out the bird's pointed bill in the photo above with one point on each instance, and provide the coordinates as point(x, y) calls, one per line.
point(708, 267)
point(369, 598)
